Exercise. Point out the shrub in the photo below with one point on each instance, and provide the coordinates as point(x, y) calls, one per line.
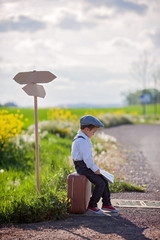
point(61, 128)
point(20, 204)
point(110, 120)
point(17, 157)
point(51, 205)
point(18, 200)
point(10, 126)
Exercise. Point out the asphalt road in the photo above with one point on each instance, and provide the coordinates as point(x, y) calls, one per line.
point(145, 138)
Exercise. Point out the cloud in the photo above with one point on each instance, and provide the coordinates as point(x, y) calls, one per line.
point(70, 22)
point(129, 6)
point(91, 75)
point(121, 5)
point(123, 43)
point(23, 23)
point(88, 44)
point(155, 38)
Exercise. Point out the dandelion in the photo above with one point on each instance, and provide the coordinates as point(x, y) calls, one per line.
point(2, 170)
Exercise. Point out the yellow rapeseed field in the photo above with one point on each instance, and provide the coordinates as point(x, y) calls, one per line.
point(10, 125)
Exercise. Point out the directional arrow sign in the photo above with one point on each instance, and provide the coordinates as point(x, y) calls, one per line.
point(34, 77)
point(33, 89)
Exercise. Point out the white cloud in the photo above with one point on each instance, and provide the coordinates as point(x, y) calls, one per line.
point(23, 23)
point(85, 43)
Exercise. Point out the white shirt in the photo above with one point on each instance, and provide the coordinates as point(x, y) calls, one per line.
point(82, 150)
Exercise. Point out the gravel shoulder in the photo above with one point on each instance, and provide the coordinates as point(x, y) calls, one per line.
point(130, 224)
point(139, 168)
point(142, 138)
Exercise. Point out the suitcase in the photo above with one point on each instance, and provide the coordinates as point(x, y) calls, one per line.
point(78, 193)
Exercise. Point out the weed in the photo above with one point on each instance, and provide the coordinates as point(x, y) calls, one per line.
point(119, 186)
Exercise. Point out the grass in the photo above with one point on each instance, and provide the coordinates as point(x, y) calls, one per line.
point(42, 113)
point(127, 109)
point(18, 200)
point(119, 186)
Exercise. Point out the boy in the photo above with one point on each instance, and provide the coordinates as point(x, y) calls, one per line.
point(82, 156)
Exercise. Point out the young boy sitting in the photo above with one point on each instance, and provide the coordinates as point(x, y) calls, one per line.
point(82, 156)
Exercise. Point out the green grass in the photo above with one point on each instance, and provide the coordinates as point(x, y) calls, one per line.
point(128, 109)
point(29, 114)
point(119, 186)
point(18, 200)
point(42, 113)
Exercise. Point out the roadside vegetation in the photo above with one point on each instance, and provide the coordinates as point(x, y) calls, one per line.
point(133, 111)
point(18, 200)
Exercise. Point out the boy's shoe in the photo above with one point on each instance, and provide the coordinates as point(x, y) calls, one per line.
point(95, 210)
point(110, 208)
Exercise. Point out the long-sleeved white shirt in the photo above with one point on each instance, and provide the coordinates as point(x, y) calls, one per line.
point(82, 150)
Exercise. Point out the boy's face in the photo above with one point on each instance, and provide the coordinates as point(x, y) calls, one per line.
point(91, 132)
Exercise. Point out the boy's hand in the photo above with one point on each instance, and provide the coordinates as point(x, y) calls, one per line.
point(97, 172)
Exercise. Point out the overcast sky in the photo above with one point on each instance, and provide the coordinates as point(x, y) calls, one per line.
point(88, 44)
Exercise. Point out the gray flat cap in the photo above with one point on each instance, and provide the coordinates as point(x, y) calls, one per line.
point(88, 119)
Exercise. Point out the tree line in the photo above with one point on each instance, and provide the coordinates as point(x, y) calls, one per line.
point(133, 98)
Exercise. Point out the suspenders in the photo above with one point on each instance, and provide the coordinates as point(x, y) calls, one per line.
point(78, 137)
point(73, 141)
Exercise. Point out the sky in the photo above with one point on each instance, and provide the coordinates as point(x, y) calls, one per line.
point(90, 45)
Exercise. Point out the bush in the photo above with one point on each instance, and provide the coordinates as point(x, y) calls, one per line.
point(10, 126)
point(20, 158)
point(20, 204)
point(110, 120)
point(63, 129)
point(18, 200)
point(51, 205)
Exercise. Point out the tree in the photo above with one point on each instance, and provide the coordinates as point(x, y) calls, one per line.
point(133, 98)
point(142, 71)
point(156, 79)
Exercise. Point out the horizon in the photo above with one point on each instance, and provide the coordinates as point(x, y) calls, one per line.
point(76, 105)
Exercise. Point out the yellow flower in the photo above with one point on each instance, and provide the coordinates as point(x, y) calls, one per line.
point(61, 115)
point(10, 125)
point(120, 112)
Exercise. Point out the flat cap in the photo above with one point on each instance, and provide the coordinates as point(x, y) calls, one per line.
point(88, 119)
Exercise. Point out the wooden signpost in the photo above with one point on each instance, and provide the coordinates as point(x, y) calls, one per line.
point(33, 89)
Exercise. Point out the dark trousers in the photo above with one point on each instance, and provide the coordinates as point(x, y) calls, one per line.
point(101, 185)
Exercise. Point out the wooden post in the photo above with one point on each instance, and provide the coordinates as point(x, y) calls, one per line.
point(33, 89)
point(36, 144)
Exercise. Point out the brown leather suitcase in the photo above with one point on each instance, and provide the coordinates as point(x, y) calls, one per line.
point(78, 193)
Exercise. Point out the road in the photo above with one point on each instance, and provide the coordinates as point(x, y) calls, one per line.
point(145, 138)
